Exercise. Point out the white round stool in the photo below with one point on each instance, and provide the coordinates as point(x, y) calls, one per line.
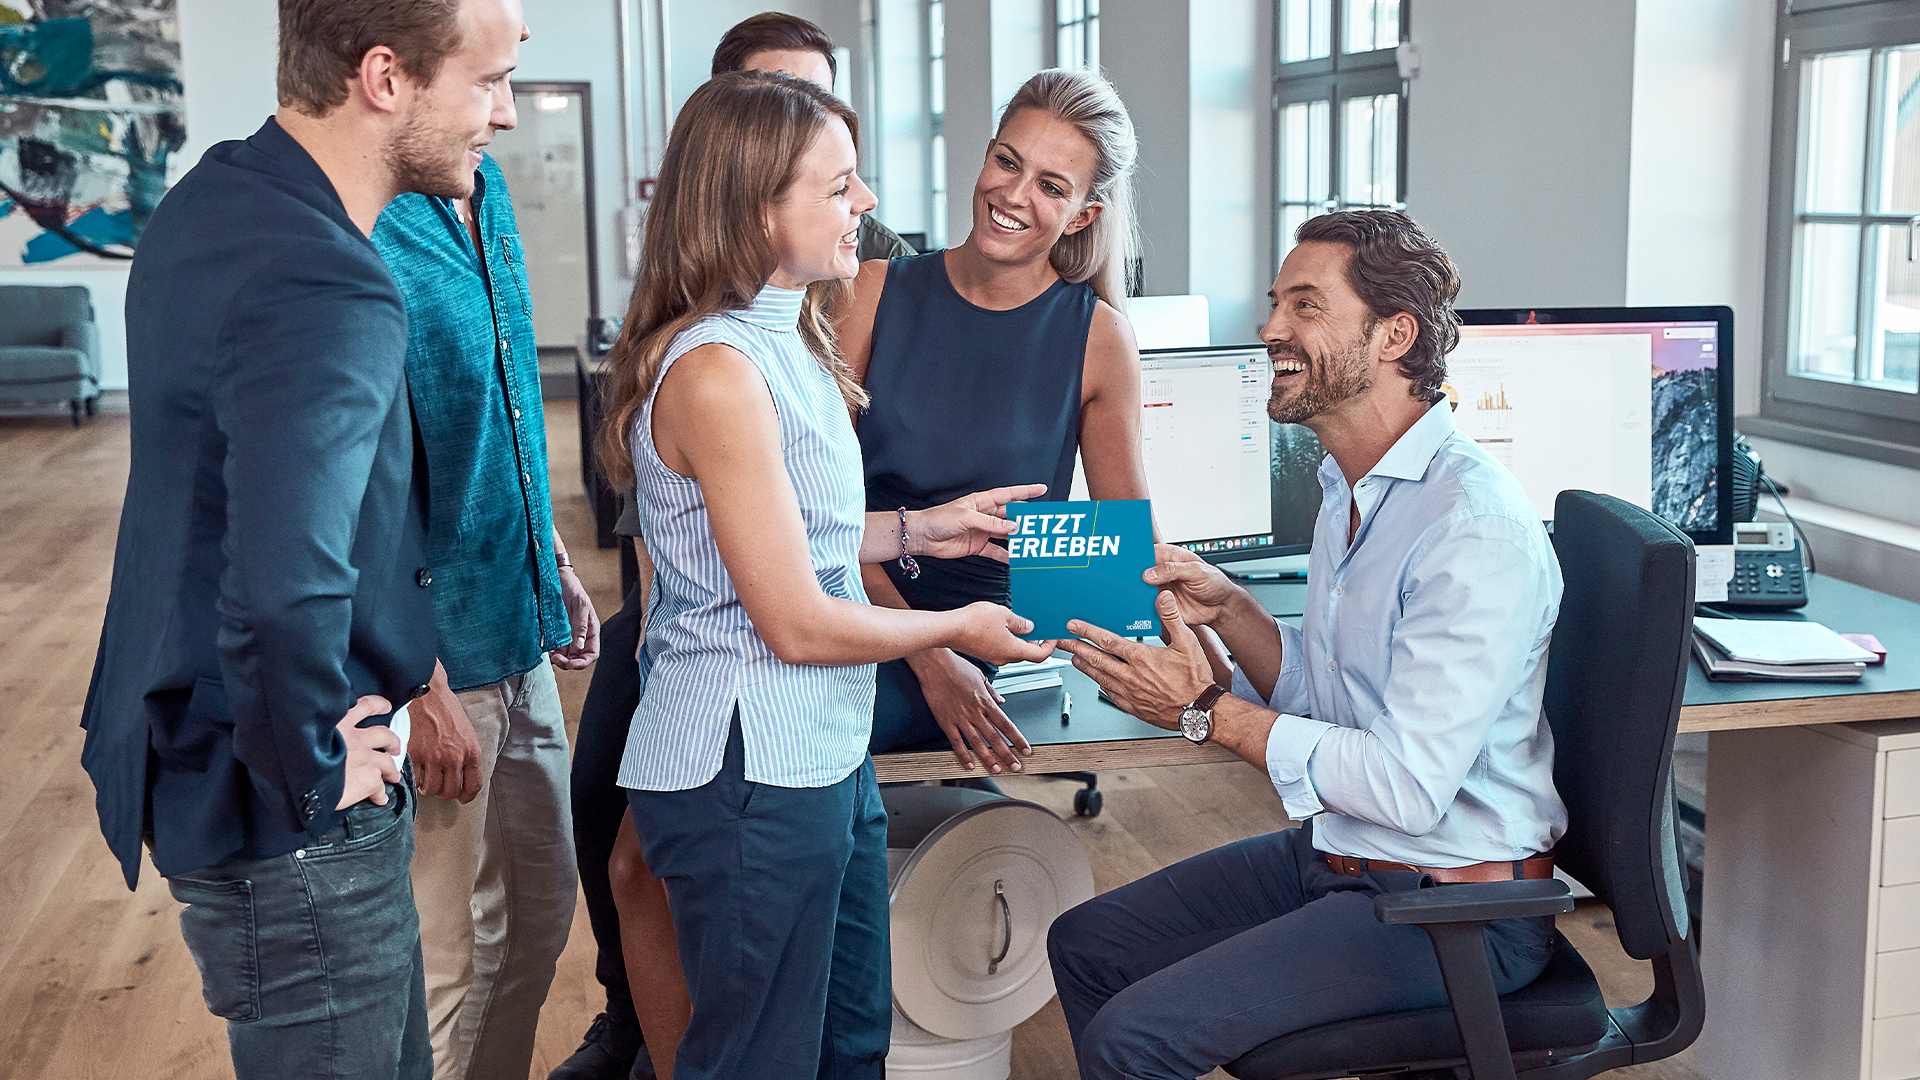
point(974, 881)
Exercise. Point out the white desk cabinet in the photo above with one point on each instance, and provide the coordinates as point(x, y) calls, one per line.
point(1811, 948)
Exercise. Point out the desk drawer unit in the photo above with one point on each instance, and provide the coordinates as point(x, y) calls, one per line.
point(1811, 928)
point(1896, 963)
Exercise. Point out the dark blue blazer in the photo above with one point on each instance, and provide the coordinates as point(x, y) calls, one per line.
point(269, 566)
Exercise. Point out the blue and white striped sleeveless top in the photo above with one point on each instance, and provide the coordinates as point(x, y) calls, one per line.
point(802, 725)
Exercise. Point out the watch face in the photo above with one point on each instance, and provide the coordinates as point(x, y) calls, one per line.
point(1196, 724)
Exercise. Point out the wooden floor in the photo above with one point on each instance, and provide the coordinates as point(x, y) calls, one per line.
point(94, 980)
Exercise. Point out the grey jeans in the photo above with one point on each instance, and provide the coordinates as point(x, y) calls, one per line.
point(313, 957)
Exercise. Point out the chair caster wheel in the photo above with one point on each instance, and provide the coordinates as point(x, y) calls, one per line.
point(1086, 803)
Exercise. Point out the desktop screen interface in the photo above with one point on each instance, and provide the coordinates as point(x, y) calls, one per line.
point(1626, 409)
point(1203, 434)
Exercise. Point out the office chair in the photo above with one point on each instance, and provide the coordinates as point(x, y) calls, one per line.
point(1615, 672)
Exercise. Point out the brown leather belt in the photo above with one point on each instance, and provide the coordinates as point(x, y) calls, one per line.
point(1540, 866)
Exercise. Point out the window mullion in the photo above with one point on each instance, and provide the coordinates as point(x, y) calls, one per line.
point(1864, 317)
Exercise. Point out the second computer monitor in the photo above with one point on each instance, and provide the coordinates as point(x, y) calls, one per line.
point(1631, 402)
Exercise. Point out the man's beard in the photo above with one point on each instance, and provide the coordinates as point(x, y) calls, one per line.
point(1328, 381)
point(429, 161)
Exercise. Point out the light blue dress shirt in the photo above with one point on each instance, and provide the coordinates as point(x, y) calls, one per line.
point(1410, 724)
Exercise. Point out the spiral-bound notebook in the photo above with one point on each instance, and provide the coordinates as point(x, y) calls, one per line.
point(1083, 560)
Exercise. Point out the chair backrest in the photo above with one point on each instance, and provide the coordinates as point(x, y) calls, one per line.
point(35, 314)
point(1615, 673)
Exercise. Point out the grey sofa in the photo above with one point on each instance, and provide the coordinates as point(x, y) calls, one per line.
point(49, 346)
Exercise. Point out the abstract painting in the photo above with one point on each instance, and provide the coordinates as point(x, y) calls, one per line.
point(90, 109)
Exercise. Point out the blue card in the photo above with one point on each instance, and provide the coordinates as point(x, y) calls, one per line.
point(1083, 560)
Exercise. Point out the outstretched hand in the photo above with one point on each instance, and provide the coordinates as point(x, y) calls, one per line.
point(1151, 682)
point(968, 524)
point(1203, 592)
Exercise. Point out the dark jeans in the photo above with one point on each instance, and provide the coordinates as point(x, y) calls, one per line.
point(313, 957)
point(598, 801)
point(779, 899)
point(1188, 968)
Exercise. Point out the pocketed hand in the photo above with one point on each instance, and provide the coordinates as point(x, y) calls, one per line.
point(371, 761)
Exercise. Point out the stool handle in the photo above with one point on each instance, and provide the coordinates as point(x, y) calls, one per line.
point(1006, 919)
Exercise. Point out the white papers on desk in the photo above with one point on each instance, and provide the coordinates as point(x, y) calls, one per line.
point(1030, 674)
point(1780, 641)
point(1712, 569)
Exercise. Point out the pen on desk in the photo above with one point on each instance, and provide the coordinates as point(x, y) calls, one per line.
point(1066, 707)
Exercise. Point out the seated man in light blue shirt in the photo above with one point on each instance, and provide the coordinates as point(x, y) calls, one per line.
point(1401, 723)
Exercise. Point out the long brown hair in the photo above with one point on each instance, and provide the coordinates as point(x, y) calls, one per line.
point(734, 151)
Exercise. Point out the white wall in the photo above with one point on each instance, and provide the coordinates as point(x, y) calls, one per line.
point(1145, 50)
point(1518, 142)
point(1697, 186)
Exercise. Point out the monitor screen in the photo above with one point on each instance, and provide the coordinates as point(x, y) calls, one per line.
point(1630, 402)
point(1205, 436)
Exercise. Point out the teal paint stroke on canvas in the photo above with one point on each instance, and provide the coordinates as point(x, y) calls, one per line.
point(90, 111)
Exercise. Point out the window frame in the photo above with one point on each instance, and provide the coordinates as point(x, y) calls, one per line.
point(1085, 27)
point(1335, 78)
point(1843, 417)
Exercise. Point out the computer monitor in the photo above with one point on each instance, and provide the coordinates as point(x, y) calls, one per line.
point(1212, 456)
point(1631, 402)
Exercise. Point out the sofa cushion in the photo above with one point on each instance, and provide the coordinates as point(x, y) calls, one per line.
point(33, 364)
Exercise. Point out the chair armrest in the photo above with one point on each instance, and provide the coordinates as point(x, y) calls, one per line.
point(1478, 902)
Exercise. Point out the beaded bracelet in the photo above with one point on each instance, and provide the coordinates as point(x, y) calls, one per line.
point(907, 562)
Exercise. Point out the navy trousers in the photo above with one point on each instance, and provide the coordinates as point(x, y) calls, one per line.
point(1188, 968)
point(313, 957)
point(779, 899)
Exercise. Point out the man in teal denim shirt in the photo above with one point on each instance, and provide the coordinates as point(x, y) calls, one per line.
point(493, 870)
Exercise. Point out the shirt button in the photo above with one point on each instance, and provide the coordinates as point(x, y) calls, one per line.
point(516, 414)
point(420, 691)
point(300, 854)
point(503, 344)
point(424, 578)
point(1338, 590)
point(526, 478)
point(1331, 665)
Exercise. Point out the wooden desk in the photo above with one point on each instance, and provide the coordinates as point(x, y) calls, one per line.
point(1101, 737)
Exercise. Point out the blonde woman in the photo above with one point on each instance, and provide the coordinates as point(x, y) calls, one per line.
point(750, 787)
point(992, 363)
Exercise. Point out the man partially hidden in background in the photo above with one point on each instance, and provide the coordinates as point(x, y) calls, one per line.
point(493, 867)
point(268, 588)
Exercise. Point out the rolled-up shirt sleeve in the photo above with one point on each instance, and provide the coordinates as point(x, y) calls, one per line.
point(1290, 744)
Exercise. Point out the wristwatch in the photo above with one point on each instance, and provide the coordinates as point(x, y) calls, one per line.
point(1196, 720)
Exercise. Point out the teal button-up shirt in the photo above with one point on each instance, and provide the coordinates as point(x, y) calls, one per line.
point(474, 375)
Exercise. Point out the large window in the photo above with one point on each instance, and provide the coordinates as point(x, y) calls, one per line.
point(1340, 116)
point(1076, 34)
point(1842, 338)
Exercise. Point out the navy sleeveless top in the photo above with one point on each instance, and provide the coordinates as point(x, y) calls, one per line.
point(965, 399)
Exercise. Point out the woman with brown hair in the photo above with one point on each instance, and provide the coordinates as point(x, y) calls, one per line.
point(992, 363)
point(750, 788)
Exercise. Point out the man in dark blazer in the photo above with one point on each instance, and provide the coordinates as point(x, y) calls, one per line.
point(270, 614)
